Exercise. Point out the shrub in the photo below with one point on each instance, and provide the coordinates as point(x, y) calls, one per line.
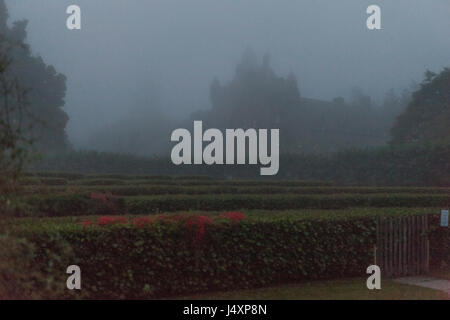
point(170, 255)
point(132, 190)
point(43, 181)
point(19, 276)
point(410, 165)
point(143, 205)
point(198, 254)
point(75, 205)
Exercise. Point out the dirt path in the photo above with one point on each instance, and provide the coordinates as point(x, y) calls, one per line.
point(427, 282)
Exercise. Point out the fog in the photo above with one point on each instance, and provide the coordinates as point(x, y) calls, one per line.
point(166, 53)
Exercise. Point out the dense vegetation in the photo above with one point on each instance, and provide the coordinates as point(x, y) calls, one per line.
point(224, 234)
point(427, 117)
point(408, 165)
point(166, 255)
point(140, 227)
point(45, 87)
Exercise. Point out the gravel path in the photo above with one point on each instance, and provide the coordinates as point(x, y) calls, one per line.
point(427, 282)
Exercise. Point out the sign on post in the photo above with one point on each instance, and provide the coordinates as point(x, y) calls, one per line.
point(444, 218)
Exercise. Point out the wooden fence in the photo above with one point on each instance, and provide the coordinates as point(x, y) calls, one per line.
point(402, 246)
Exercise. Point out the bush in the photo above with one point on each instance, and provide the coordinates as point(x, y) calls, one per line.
point(20, 278)
point(165, 256)
point(410, 165)
point(143, 205)
point(63, 175)
point(44, 181)
point(99, 182)
point(132, 190)
point(85, 204)
point(76, 205)
point(168, 258)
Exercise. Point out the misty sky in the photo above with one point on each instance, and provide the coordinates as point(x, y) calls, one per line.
point(130, 52)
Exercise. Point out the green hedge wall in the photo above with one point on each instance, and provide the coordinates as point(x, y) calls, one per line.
point(130, 190)
point(164, 260)
point(408, 165)
point(143, 205)
point(168, 259)
point(65, 205)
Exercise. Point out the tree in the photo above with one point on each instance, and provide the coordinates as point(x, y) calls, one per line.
point(13, 109)
point(30, 91)
point(46, 88)
point(427, 117)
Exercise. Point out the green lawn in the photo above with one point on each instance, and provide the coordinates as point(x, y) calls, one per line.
point(346, 289)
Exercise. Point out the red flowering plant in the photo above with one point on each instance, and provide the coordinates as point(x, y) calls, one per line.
point(105, 203)
point(99, 196)
point(233, 216)
point(170, 218)
point(196, 225)
point(103, 221)
point(85, 223)
point(142, 221)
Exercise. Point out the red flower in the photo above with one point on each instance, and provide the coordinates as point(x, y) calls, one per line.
point(233, 216)
point(103, 221)
point(86, 223)
point(170, 218)
point(197, 223)
point(142, 221)
point(99, 196)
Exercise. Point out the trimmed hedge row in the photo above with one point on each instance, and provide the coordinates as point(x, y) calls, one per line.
point(111, 180)
point(166, 190)
point(79, 176)
point(65, 205)
point(167, 259)
point(43, 181)
point(163, 260)
point(142, 205)
point(393, 165)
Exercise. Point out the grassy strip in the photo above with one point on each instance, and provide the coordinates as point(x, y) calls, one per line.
point(343, 289)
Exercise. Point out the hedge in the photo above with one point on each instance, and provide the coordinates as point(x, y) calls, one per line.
point(80, 176)
point(409, 165)
point(164, 260)
point(200, 182)
point(43, 181)
point(168, 259)
point(143, 205)
point(73, 205)
point(131, 190)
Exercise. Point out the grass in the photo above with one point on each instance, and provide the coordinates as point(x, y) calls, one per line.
point(345, 289)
